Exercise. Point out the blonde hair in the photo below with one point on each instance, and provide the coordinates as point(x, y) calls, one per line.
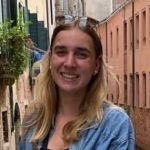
point(45, 105)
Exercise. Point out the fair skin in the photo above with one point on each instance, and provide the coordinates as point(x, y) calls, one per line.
point(73, 64)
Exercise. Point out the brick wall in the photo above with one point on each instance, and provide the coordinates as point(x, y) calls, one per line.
point(141, 121)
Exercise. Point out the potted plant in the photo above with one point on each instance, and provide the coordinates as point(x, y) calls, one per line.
point(13, 52)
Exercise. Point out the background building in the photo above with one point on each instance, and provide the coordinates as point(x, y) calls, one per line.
point(14, 98)
point(39, 25)
point(98, 9)
point(84, 7)
point(50, 9)
point(117, 3)
point(125, 35)
point(70, 7)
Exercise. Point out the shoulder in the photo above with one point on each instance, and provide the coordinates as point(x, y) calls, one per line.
point(114, 131)
point(112, 112)
point(116, 123)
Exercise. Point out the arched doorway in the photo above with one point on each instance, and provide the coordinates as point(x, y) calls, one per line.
point(17, 122)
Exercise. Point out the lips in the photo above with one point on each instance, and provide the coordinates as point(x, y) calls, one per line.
point(69, 76)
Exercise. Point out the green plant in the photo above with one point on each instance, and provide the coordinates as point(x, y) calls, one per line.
point(13, 53)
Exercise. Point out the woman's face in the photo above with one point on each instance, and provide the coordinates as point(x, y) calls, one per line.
point(73, 61)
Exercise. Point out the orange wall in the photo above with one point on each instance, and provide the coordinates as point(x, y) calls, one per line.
point(121, 60)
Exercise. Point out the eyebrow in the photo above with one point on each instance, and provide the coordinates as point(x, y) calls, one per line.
point(83, 49)
point(59, 47)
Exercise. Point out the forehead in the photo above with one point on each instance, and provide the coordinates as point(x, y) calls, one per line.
point(72, 37)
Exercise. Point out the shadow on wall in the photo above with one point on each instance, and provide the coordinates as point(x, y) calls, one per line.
point(2, 94)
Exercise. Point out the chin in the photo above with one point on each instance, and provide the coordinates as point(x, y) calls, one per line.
point(71, 90)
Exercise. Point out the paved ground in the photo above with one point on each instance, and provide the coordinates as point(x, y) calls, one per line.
point(138, 148)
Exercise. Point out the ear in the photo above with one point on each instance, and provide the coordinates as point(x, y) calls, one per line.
point(50, 55)
point(97, 66)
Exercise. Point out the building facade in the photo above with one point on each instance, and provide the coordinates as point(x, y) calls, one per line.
point(125, 35)
point(10, 103)
point(50, 9)
point(15, 98)
point(98, 9)
point(117, 3)
point(84, 8)
point(70, 7)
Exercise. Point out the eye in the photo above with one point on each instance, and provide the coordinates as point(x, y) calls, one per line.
point(60, 51)
point(82, 55)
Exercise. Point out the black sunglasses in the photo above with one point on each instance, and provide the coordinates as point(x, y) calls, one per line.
point(83, 21)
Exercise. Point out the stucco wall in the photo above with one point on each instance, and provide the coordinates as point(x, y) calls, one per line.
point(122, 64)
point(98, 9)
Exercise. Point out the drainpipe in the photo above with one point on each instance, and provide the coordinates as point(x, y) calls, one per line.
point(133, 71)
point(106, 43)
point(133, 58)
point(106, 31)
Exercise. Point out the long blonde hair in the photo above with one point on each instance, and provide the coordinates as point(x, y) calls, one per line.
point(45, 105)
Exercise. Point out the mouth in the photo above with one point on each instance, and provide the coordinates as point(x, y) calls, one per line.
point(69, 76)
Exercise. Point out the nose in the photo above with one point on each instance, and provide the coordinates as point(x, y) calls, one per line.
point(70, 61)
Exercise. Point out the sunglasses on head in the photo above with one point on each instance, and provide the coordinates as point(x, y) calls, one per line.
point(82, 21)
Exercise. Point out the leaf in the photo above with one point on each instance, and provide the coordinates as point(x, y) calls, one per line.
point(13, 54)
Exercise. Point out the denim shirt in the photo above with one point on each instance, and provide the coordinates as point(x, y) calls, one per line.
point(114, 132)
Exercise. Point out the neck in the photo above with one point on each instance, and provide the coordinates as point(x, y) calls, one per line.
point(69, 103)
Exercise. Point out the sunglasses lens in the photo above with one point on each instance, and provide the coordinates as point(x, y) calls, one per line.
point(83, 21)
point(68, 19)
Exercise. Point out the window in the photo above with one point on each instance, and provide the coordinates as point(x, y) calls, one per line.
point(117, 40)
point(125, 35)
point(117, 89)
point(144, 27)
point(137, 90)
point(131, 32)
point(35, 72)
point(112, 97)
point(144, 90)
point(5, 126)
point(131, 90)
point(1, 12)
point(111, 44)
point(137, 31)
point(26, 2)
point(125, 89)
point(5, 9)
point(51, 9)
point(13, 10)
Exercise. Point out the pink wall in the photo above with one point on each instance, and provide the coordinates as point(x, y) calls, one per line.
point(113, 40)
point(121, 58)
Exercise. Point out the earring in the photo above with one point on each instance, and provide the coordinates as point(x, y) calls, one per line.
point(95, 72)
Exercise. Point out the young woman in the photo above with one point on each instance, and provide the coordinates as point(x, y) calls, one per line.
point(70, 111)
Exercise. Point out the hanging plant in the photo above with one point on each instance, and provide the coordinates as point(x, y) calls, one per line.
point(13, 53)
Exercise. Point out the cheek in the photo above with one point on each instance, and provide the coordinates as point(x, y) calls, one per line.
point(54, 62)
point(88, 68)
point(53, 66)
